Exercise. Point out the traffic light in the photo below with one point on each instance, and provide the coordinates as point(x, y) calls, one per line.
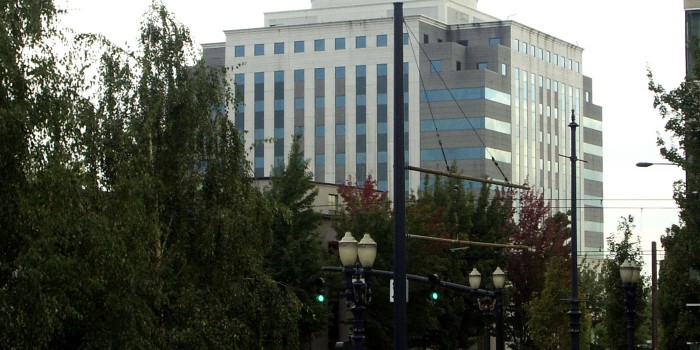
point(434, 279)
point(320, 289)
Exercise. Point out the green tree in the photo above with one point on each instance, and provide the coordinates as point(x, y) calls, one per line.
point(367, 210)
point(546, 235)
point(549, 322)
point(135, 224)
point(678, 281)
point(592, 297)
point(295, 256)
point(613, 324)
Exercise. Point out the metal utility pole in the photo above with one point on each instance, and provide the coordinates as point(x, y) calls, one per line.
point(400, 323)
point(654, 301)
point(574, 312)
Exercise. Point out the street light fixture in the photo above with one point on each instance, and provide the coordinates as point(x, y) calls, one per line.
point(648, 164)
point(629, 273)
point(486, 305)
point(357, 292)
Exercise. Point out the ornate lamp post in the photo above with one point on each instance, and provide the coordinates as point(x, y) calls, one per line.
point(486, 305)
point(629, 273)
point(357, 292)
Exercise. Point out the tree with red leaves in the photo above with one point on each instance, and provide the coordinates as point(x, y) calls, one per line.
point(547, 235)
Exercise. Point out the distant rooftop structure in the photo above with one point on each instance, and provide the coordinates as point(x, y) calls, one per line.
point(324, 11)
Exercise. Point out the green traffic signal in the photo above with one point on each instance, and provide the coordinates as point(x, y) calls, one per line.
point(434, 295)
point(320, 289)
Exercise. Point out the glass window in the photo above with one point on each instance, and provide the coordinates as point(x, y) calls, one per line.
point(340, 72)
point(239, 51)
point(340, 101)
point(340, 43)
point(549, 57)
point(578, 67)
point(516, 45)
point(495, 41)
point(405, 38)
point(319, 74)
point(556, 59)
point(319, 45)
point(279, 48)
point(570, 64)
point(436, 66)
point(320, 102)
point(259, 49)
point(360, 42)
point(382, 40)
point(459, 65)
point(504, 69)
point(298, 46)
point(481, 65)
point(532, 50)
point(524, 47)
point(320, 161)
point(298, 74)
point(540, 53)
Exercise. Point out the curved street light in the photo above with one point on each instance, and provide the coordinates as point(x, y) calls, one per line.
point(486, 305)
point(358, 292)
point(648, 164)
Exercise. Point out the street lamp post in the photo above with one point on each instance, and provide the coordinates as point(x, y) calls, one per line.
point(486, 305)
point(629, 273)
point(358, 291)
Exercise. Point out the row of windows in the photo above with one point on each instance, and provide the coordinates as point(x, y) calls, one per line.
point(546, 55)
point(319, 45)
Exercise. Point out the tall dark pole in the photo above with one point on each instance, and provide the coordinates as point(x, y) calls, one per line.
point(629, 289)
point(500, 341)
point(400, 334)
point(654, 302)
point(574, 312)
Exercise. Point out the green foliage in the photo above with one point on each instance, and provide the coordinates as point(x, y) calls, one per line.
point(592, 290)
point(546, 234)
point(295, 256)
point(678, 282)
point(129, 219)
point(444, 209)
point(613, 318)
point(549, 322)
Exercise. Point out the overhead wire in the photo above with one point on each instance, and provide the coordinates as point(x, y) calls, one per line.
point(449, 90)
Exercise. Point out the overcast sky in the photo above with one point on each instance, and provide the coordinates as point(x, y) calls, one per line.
point(620, 38)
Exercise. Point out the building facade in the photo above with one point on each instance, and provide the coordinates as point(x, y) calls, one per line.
point(493, 97)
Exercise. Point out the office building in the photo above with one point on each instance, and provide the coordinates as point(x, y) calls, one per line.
point(492, 96)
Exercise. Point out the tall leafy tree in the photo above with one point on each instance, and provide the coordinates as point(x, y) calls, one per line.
point(613, 324)
point(367, 210)
point(678, 281)
point(135, 224)
point(546, 235)
point(295, 256)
